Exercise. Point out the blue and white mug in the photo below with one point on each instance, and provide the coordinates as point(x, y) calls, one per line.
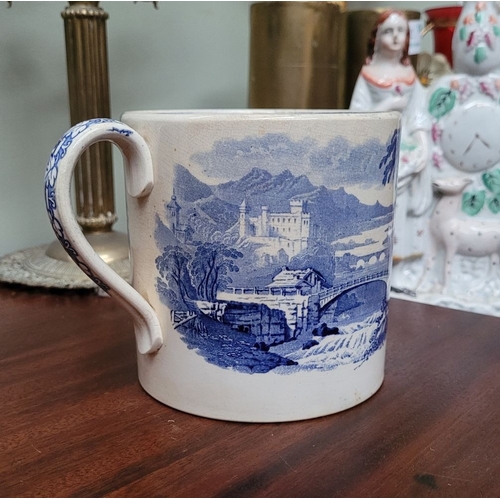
point(261, 244)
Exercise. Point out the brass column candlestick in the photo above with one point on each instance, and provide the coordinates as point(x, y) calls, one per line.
point(87, 64)
point(88, 84)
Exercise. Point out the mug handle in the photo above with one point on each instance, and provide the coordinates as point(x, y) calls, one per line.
point(139, 183)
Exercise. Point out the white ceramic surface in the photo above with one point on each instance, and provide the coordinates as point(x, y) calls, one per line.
point(261, 247)
point(459, 229)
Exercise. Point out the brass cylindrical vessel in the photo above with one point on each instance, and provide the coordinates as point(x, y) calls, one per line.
point(360, 24)
point(87, 64)
point(297, 55)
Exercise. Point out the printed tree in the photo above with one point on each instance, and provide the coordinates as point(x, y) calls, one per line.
point(185, 277)
point(210, 268)
point(389, 161)
point(174, 282)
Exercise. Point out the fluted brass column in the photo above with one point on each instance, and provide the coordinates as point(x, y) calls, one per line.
point(87, 62)
point(88, 83)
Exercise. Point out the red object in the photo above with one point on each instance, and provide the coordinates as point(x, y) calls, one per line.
point(443, 21)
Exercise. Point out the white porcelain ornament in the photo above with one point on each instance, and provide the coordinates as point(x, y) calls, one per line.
point(387, 80)
point(459, 267)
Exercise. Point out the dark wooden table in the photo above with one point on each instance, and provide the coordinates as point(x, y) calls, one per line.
point(75, 422)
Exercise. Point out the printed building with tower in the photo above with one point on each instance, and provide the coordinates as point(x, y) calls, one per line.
point(183, 232)
point(289, 231)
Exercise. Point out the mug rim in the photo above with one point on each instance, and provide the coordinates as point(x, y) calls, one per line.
point(259, 113)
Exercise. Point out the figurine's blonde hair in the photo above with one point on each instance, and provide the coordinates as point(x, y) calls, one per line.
point(405, 59)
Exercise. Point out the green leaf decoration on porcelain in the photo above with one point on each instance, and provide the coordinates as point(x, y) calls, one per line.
point(462, 33)
point(480, 55)
point(492, 181)
point(479, 17)
point(494, 203)
point(472, 203)
point(407, 146)
point(442, 102)
point(496, 30)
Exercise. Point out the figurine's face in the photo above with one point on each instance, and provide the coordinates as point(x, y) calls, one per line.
point(392, 33)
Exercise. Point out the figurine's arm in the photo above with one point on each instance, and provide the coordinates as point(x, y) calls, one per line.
point(416, 125)
point(422, 194)
point(362, 99)
point(421, 138)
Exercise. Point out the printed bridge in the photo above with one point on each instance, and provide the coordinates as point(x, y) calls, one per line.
point(301, 307)
point(328, 295)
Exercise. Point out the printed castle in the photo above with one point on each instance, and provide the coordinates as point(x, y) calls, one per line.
point(288, 231)
point(275, 232)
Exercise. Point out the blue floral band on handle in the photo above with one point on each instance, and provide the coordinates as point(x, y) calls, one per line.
point(51, 173)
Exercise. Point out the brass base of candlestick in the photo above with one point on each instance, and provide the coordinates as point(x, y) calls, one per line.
point(49, 266)
point(111, 247)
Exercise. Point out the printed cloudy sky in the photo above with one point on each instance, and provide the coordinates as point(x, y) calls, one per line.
point(338, 164)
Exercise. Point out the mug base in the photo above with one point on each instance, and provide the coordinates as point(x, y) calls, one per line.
point(268, 420)
point(269, 398)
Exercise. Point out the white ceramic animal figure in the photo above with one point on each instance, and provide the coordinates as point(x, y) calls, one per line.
point(459, 236)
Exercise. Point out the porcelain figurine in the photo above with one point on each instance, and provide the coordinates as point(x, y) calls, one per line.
point(459, 267)
point(388, 82)
point(414, 191)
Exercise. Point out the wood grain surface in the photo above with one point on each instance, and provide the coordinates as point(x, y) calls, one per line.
point(75, 422)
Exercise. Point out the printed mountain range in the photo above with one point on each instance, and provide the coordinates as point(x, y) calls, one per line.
point(335, 212)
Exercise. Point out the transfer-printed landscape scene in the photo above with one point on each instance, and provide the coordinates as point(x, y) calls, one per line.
point(264, 268)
